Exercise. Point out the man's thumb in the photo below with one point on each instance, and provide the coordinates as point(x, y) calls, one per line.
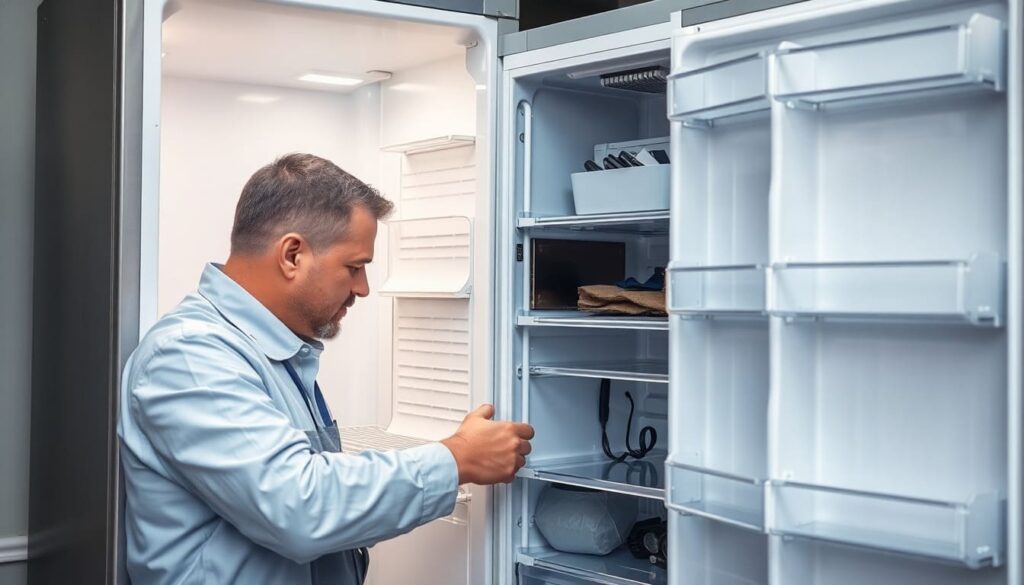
point(483, 411)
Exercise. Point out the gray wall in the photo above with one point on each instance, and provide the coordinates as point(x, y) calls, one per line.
point(17, 137)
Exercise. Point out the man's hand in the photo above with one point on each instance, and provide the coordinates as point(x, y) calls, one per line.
point(486, 451)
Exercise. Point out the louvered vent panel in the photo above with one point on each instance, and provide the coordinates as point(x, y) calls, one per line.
point(444, 180)
point(431, 361)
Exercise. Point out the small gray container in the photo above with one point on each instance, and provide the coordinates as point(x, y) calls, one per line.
point(622, 190)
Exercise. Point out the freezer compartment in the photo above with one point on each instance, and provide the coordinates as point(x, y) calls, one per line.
point(557, 261)
point(716, 290)
point(968, 55)
point(563, 373)
point(968, 532)
point(700, 97)
point(723, 497)
point(629, 356)
point(967, 291)
point(618, 567)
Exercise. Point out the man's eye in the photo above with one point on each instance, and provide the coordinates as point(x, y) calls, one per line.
point(353, 270)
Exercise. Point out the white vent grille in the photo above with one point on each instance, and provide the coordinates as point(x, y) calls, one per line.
point(443, 180)
point(429, 258)
point(431, 365)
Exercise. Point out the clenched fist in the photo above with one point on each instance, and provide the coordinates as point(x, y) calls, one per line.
point(486, 451)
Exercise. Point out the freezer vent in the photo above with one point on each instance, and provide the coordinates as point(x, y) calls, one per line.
point(431, 366)
point(439, 180)
point(646, 80)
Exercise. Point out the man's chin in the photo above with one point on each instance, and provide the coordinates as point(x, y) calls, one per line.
point(328, 331)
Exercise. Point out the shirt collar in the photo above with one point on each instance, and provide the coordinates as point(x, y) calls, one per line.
point(250, 316)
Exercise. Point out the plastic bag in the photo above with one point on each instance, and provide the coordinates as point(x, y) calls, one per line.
point(579, 520)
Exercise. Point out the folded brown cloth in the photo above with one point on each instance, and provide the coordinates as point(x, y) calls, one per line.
point(603, 298)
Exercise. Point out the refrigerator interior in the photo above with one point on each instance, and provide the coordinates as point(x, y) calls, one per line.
point(561, 356)
point(837, 289)
point(414, 355)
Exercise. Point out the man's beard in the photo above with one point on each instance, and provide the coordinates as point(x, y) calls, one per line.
point(327, 330)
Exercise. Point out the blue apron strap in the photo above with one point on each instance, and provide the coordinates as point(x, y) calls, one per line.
point(321, 404)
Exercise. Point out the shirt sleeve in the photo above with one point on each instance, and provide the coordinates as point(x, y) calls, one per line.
point(204, 410)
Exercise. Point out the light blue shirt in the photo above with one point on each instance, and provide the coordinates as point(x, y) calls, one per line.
point(222, 485)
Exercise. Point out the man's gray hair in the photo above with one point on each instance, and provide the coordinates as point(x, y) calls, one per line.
point(300, 193)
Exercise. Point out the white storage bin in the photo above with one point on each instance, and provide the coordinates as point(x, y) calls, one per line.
point(622, 190)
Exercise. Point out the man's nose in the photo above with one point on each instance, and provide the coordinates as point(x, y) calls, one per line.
point(362, 285)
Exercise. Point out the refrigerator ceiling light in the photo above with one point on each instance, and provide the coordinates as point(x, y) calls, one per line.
point(326, 79)
point(258, 98)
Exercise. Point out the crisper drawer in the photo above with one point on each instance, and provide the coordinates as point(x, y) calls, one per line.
point(537, 576)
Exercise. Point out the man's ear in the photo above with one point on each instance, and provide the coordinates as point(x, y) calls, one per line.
point(292, 251)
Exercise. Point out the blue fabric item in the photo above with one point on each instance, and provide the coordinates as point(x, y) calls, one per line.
point(223, 481)
point(655, 282)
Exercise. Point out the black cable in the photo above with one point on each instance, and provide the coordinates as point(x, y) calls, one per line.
point(648, 434)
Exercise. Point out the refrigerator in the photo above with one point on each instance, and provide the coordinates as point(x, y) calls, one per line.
point(836, 389)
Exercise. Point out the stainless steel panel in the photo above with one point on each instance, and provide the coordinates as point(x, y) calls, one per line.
point(75, 330)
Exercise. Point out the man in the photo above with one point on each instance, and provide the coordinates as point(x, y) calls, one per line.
point(230, 454)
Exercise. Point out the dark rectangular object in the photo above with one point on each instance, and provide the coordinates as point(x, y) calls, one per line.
point(559, 267)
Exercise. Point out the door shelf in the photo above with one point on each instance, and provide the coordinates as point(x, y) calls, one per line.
point(959, 291)
point(647, 223)
point(967, 532)
point(643, 478)
point(431, 144)
point(635, 371)
point(590, 320)
point(430, 258)
point(959, 57)
point(717, 290)
point(716, 495)
point(700, 97)
point(617, 568)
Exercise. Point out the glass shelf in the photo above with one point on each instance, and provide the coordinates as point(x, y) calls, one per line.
point(717, 290)
point(590, 320)
point(715, 495)
point(966, 291)
point(634, 371)
point(616, 568)
point(964, 532)
point(702, 96)
point(644, 477)
point(648, 223)
point(964, 56)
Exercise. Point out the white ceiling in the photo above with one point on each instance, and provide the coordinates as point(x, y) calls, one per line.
point(256, 42)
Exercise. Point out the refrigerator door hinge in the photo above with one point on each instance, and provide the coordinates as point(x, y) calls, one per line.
point(519, 252)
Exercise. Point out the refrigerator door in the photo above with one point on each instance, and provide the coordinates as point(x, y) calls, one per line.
point(97, 162)
point(844, 289)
